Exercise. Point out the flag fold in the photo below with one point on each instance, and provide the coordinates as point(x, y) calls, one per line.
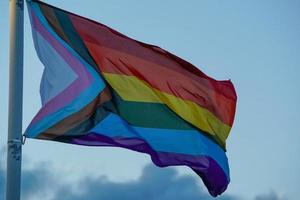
point(102, 88)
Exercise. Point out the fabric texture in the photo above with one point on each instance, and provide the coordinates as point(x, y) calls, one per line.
point(102, 88)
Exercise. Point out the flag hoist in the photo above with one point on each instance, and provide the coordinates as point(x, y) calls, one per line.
point(14, 139)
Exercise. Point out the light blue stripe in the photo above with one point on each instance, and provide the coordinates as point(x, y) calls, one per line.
point(163, 140)
point(79, 102)
point(189, 142)
point(57, 75)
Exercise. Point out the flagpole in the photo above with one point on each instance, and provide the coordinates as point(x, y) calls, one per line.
point(14, 139)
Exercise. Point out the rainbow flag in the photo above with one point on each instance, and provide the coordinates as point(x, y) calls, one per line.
point(102, 88)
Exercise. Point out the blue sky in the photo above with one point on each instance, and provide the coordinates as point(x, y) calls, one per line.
point(254, 43)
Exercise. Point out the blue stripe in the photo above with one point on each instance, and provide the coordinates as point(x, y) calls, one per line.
point(79, 102)
point(57, 75)
point(190, 142)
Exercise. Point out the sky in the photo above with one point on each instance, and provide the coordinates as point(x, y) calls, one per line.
point(254, 43)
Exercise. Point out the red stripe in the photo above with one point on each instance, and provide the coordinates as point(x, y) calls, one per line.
point(97, 33)
point(115, 53)
point(163, 79)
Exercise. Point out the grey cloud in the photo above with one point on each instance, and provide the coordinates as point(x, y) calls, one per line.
point(154, 184)
point(2, 181)
point(270, 196)
point(35, 182)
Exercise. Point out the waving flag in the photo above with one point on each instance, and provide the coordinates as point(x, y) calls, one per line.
point(102, 88)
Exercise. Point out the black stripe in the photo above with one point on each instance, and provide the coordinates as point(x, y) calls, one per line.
point(73, 39)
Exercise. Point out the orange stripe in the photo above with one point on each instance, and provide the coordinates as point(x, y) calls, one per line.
point(164, 79)
point(101, 35)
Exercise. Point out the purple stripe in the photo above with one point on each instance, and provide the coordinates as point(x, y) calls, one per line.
point(82, 82)
point(211, 173)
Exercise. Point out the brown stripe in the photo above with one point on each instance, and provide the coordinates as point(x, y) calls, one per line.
point(54, 22)
point(72, 121)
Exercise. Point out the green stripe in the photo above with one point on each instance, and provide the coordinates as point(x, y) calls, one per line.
point(150, 115)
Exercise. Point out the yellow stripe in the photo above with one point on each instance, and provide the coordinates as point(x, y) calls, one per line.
point(130, 88)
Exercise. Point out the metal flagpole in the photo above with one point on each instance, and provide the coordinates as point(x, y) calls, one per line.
point(14, 140)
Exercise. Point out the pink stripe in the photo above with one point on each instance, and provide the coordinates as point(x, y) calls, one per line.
point(82, 82)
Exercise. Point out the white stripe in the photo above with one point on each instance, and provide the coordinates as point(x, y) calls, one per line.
point(57, 75)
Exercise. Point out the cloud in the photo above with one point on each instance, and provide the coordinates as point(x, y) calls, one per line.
point(270, 196)
point(2, 180)
point(154, 184)
point(38, 182)
point(35, 182)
